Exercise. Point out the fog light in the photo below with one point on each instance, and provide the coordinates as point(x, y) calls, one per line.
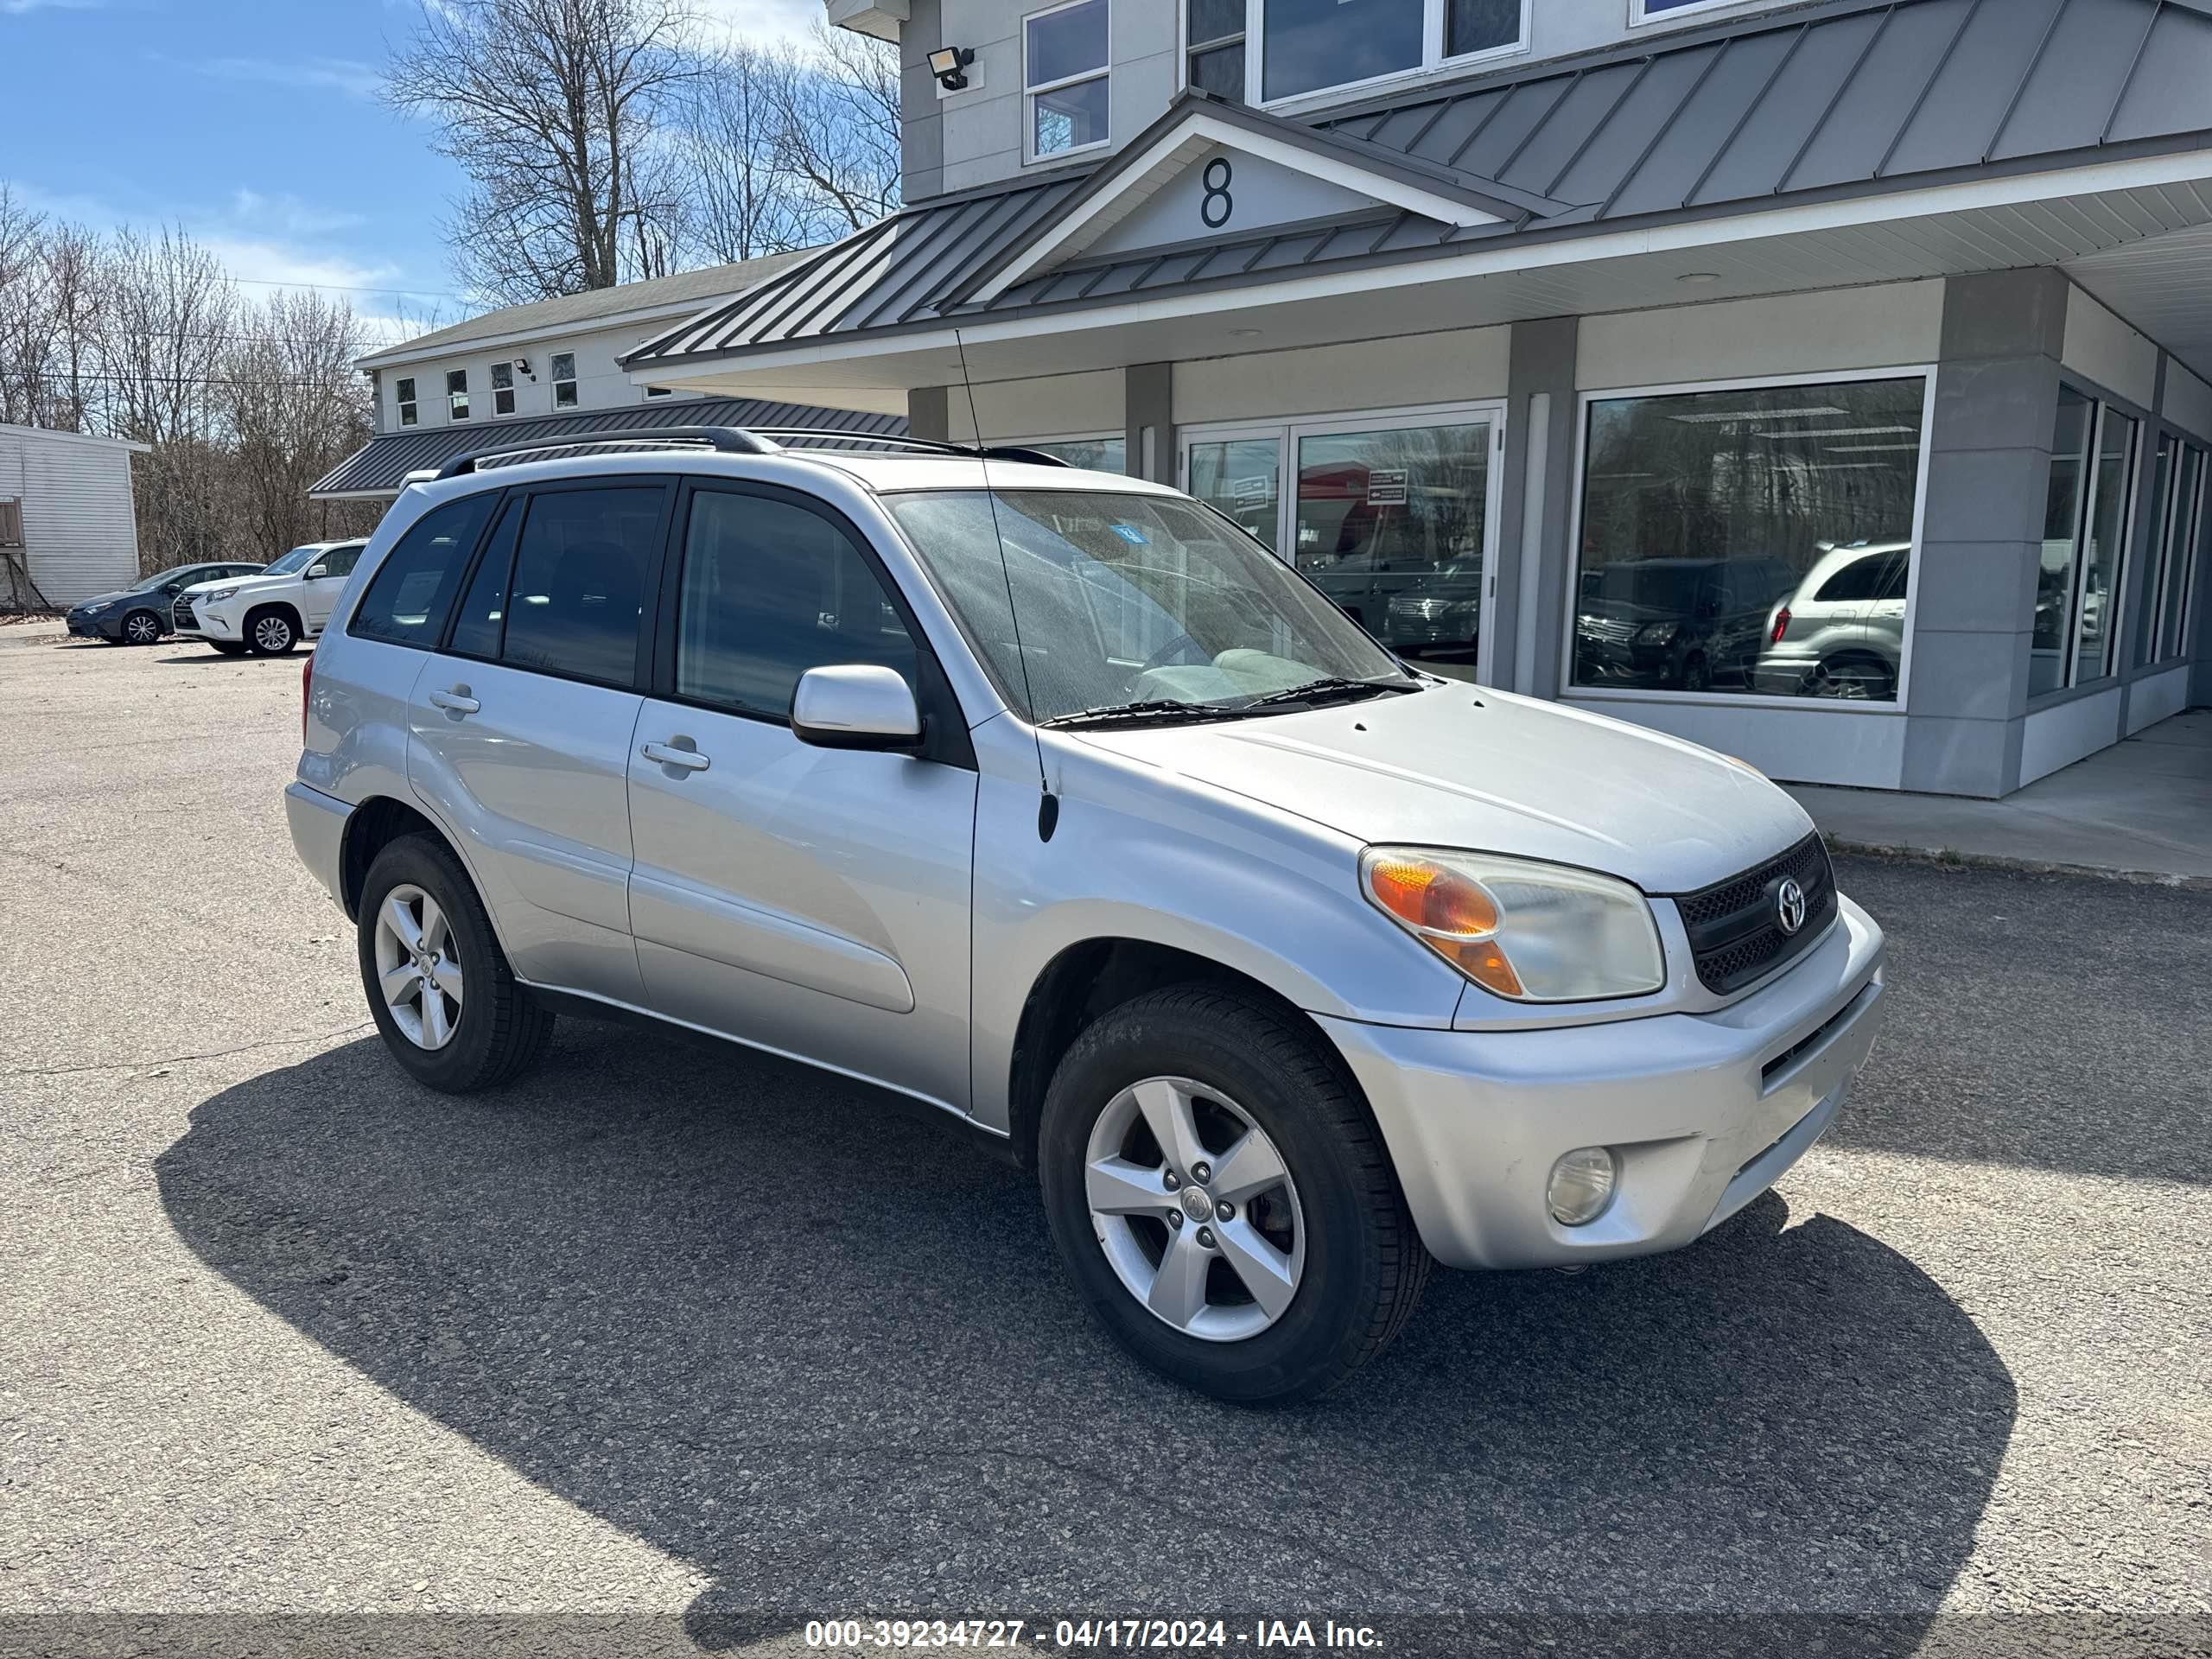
point(1582, 1185)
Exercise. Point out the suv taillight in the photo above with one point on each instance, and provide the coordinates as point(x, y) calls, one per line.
point(1781, 626)
point(307, 686)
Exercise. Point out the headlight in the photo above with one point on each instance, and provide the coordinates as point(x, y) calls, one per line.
point(105, 606)
point(1656, 634)
point(219, 593)
point(1533, 932)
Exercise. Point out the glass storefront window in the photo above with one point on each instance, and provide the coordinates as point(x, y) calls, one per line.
point(1092, 454)
point(2183, 517)
point(2086, 517)
point(1391, 524)
point(1241, 478)
point(1756, 541)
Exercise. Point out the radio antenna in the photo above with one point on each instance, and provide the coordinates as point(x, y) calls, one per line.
point(1048, 811)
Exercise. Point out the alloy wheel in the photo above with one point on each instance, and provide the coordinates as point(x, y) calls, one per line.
point(141, 629)
point(418, 967)
point(1195, 1209)
point(272, 634)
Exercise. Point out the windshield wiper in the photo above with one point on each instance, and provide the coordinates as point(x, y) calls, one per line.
point(1331, 686)
point(1147, 709)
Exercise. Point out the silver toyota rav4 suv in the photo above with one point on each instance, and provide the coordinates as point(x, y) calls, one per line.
point(1052, 799)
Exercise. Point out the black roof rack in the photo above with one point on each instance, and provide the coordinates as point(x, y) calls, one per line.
point(739, 441)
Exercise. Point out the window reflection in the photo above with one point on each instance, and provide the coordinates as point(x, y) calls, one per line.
point(1391, 524)
point(1241, 478)
point(1750, 542)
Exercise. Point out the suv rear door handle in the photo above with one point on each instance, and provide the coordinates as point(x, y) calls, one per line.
point(688, 760)
point(456, 700)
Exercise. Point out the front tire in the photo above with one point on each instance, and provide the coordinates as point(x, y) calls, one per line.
point(438, 984)
point(1197, 1099)
point(142, 628)
point(229, 647)
point(271, 632)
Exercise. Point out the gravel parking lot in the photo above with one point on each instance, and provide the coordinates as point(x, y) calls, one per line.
point(674, 1346)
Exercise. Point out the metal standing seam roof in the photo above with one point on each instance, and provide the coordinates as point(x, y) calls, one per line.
point(1850, 98)
point(381, 466)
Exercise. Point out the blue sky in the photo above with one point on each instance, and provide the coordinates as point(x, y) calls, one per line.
point(255, 123)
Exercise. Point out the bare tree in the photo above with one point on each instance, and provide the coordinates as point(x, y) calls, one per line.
point(294, 407)
point(550, 107)
point(743, 204)
point(837, 127)
point(49, 289)
point(165, 332)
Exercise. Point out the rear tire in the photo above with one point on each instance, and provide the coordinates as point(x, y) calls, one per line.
point(271, 632)
point(1336, 1221)
point(494, 1030)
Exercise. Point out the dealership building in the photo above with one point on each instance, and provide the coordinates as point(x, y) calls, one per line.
point(1829, 384)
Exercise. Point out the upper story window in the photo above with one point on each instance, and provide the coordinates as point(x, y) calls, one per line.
point(1064, 56)
point(1269, 51)
point(1653, 12)
point(457, 394)
point(564, 379)
point(404, 393)
point(503, 388)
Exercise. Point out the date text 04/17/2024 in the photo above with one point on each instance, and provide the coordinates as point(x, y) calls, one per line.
point(1292, 1636)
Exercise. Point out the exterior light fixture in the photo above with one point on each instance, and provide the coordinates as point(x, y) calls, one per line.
point(946, 63)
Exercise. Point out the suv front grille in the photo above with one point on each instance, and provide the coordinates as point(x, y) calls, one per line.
point(181, 613)
point(1734, 928)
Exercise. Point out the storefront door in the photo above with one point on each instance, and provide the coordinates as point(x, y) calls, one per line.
point(1392, 514)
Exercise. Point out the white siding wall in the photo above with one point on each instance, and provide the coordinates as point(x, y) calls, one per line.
point(601, 382)
point(79, 529)
point(983, 125)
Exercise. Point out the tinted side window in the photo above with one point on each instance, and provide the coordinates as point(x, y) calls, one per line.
point(408, 596)
point(341, 561)
point(578, 581)
point(1856, 580)
point(476, 630)
point(770, 590)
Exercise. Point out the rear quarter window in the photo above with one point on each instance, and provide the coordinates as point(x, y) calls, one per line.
point(409, 596)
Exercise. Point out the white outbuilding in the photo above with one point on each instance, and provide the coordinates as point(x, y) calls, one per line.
point(68, 527)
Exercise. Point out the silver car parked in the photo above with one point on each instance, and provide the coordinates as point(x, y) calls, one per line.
point(1052, 799)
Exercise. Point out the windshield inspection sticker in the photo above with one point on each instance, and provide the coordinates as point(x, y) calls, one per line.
point(1131, 533)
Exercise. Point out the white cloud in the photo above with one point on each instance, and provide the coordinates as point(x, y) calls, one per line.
point(346, 75)
point(762, 21)
point(18, 8)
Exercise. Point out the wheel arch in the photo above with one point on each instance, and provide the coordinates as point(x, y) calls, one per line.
point(1090, 979)
point(372, 826)
point(299, 621)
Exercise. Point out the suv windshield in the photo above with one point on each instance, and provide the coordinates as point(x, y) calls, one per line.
point(298, 559)
point(1139, 604)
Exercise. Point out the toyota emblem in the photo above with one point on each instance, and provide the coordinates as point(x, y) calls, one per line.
point(1789, 906)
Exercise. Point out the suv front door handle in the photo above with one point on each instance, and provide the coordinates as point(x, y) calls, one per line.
point(456, 702)
point(688, 760)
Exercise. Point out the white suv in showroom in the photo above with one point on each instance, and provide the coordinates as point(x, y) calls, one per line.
point(270, 613)
point(1054, 800)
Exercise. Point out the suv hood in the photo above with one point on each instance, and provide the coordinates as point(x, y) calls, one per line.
point(243, 584)
point(1478, 769)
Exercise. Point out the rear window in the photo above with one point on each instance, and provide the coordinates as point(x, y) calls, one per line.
point(409, 596)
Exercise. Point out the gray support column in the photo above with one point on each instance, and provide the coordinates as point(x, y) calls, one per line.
point(1535, 506)
point(1149, 394)
point(929, 412)
point(921, 114)
point(1973, 598)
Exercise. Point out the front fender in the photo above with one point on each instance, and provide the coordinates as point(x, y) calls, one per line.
point(1141, 854)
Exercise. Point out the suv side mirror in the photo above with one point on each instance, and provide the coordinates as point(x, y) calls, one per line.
point(856, 706)
point(317, 572)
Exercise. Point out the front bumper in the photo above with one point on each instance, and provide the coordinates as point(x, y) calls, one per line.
point(94, 627)
point(1704, 1111)
point(318, 825)
point(207, 624)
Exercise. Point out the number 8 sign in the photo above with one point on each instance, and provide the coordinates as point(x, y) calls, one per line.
point(1219, 204)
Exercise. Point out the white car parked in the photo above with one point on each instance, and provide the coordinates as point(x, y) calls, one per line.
point(272, 612)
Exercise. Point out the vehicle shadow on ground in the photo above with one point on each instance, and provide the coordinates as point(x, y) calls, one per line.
point(2018, 1035)
point(751, 1314)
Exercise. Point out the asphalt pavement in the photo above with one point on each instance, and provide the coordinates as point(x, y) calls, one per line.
point(675, 1348)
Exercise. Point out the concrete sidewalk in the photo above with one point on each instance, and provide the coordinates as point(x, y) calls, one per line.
point(2143, 808)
